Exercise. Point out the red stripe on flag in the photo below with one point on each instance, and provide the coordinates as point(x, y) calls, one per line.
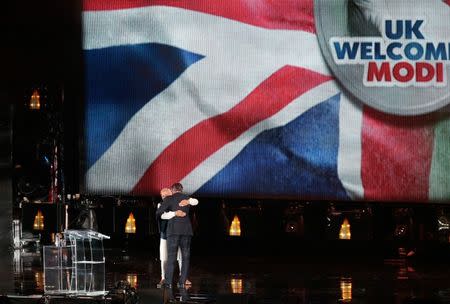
point(447, 2)
point(284, 14)
point(396, 156)
point(208, 136)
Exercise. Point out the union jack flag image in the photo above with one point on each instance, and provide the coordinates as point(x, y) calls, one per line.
point(233, 98)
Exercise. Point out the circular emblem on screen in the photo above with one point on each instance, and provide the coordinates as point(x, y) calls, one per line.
point(393, 55)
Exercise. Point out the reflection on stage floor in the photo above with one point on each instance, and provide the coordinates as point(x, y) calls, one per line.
point(268, 279)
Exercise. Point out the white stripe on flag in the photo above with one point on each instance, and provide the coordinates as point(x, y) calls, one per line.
point(209, 35)
point(210, 87)
point(349, 153)
point(217, 161)
point(199, 93)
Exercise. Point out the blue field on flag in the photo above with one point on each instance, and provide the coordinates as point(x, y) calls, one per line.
point(299, 158)
point(120, 80)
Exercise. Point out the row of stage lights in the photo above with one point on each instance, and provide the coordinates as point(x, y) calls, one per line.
point(235, 227)
point(130, 225)
point(234, 230)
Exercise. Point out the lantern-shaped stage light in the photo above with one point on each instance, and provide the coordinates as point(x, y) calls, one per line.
point(235, 228)
point(38, 221)
point(35, 100)
point(130, 226)
point(344, 233)
point(236, 285)
point(132, 279)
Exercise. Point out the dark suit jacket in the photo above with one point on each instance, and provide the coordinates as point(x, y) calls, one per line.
point(176, 225)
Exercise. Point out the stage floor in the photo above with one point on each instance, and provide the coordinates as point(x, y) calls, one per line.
point(268, 279)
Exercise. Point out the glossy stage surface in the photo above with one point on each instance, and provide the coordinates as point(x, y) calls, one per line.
point(266, 278)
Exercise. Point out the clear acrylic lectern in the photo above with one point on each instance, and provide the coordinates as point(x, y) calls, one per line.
point(76, 265)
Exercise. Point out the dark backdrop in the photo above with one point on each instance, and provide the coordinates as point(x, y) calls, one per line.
point(41, 45)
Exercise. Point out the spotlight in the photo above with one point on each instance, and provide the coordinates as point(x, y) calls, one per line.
point(400, 230)
point(291, 227)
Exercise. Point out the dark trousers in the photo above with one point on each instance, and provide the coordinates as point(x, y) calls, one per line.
point(173, 242)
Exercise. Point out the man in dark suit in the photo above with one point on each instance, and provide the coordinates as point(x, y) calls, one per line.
point(179, 233)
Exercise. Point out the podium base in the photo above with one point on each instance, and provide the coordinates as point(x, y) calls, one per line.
point(115, 296)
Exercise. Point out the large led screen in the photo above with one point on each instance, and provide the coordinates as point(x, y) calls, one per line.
point(324, 99)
